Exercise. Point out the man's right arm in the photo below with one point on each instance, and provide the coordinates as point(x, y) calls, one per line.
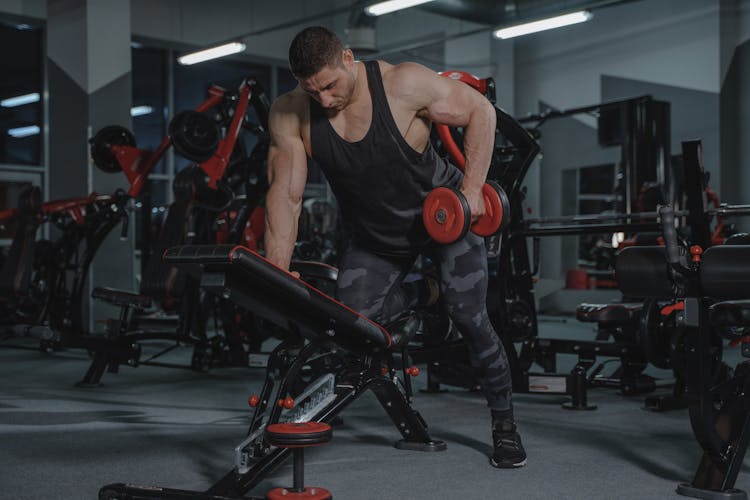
point(287, 176)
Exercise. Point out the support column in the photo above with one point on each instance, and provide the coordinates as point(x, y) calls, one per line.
point(90, 86)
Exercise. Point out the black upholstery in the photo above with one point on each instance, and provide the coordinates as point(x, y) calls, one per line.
point(121, 298)
point(609, 313)
point(725, 272)
point(730, 313)
point(15, 274)
point(644, 272)
point(738, 239)
point(244, 277)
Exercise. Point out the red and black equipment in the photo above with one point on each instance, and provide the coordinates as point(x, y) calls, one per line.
point(194, 135)
point(207, 193)
point(445, 212)
point(302, 393)
point(298, 436)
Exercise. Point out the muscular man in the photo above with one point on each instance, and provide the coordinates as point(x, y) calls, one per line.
point(367, 125)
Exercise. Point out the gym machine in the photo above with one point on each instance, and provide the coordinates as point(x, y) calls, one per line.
point(203, 192)
point(711, 290)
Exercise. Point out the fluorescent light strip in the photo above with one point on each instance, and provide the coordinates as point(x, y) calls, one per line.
point(23, 131)
point(212, 53)
point(20, 100)
point(544, 24)
point(141, 110)
point(381, 8)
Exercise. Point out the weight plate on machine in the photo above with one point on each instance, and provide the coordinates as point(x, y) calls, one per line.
point(497, 210)
point(654, 337)
point(446, 215)
point(194, 135)
point(101, 147)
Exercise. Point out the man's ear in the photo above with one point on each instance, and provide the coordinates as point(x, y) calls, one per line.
point(347, 57)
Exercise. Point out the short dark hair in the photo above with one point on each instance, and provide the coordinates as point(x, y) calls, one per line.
point(313, 49)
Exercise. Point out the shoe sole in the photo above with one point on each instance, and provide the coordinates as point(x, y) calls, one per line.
point(507, 466)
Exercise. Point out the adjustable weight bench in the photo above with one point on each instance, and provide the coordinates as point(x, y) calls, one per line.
point(333, 356)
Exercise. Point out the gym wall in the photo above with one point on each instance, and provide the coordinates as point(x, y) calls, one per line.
point(735, 127)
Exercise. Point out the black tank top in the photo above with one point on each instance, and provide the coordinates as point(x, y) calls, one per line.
point(380, 181)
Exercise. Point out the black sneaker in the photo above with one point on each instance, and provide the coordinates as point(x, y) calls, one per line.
point(509, 452)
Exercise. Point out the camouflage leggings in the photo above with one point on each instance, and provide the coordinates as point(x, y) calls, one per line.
point(373, 285)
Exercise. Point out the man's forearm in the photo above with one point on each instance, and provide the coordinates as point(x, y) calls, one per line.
point(282, 216)
point(479, 143)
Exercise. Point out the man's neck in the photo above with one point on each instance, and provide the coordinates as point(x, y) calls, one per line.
point(360, 83)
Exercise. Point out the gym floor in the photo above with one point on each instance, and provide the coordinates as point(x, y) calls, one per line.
point(177, 428)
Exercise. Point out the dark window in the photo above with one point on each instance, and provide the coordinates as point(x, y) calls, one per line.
point(149, 99)
point(21, 88)
point(597, 180)
point(285, 80)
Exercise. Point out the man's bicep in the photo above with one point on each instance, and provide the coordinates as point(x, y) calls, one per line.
point(287, 165)
point(287, 160)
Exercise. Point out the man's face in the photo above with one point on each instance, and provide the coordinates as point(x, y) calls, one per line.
point(332, 87)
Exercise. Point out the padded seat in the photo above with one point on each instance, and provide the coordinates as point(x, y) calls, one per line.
point(609, 313)
point(121, 298)
point(730, 313)
point(244, 277)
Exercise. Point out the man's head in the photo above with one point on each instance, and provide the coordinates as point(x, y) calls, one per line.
point(323, 67)
point(313, 49)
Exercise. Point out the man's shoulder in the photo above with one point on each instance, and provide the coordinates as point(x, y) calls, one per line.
point(294, 101)
point(403, 75)
point(289, 113)
point(399, 70)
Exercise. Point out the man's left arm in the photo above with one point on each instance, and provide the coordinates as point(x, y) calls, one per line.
point(455, 104)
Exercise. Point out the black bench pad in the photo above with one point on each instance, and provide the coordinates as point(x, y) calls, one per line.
point(121, 298)
point(730, 313)
point(252, 282)
point(609, 313)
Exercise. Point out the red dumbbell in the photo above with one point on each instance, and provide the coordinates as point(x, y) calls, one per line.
point(445, 211)
point(447, 217)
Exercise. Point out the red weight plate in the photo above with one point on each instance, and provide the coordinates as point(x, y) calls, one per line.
point(310, 493)
point(446, 215)
point(493, 216)
point(298, 434)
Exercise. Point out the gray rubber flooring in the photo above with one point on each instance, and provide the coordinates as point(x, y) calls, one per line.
point(177, 428)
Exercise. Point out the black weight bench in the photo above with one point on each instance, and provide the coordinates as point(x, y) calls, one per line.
point(165, 287)
point(334, 356)
point(624, 312)
point(714, 294)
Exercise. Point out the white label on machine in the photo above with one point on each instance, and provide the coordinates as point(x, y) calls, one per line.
point(547, 384)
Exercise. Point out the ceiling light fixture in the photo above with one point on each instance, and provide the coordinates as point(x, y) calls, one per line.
point(381, 8)
point(20, 100)
point(212, 53)
point(141, 110)
point(24, 131)
point(543, 24)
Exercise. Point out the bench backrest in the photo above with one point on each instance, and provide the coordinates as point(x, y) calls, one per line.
point(250, 281)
